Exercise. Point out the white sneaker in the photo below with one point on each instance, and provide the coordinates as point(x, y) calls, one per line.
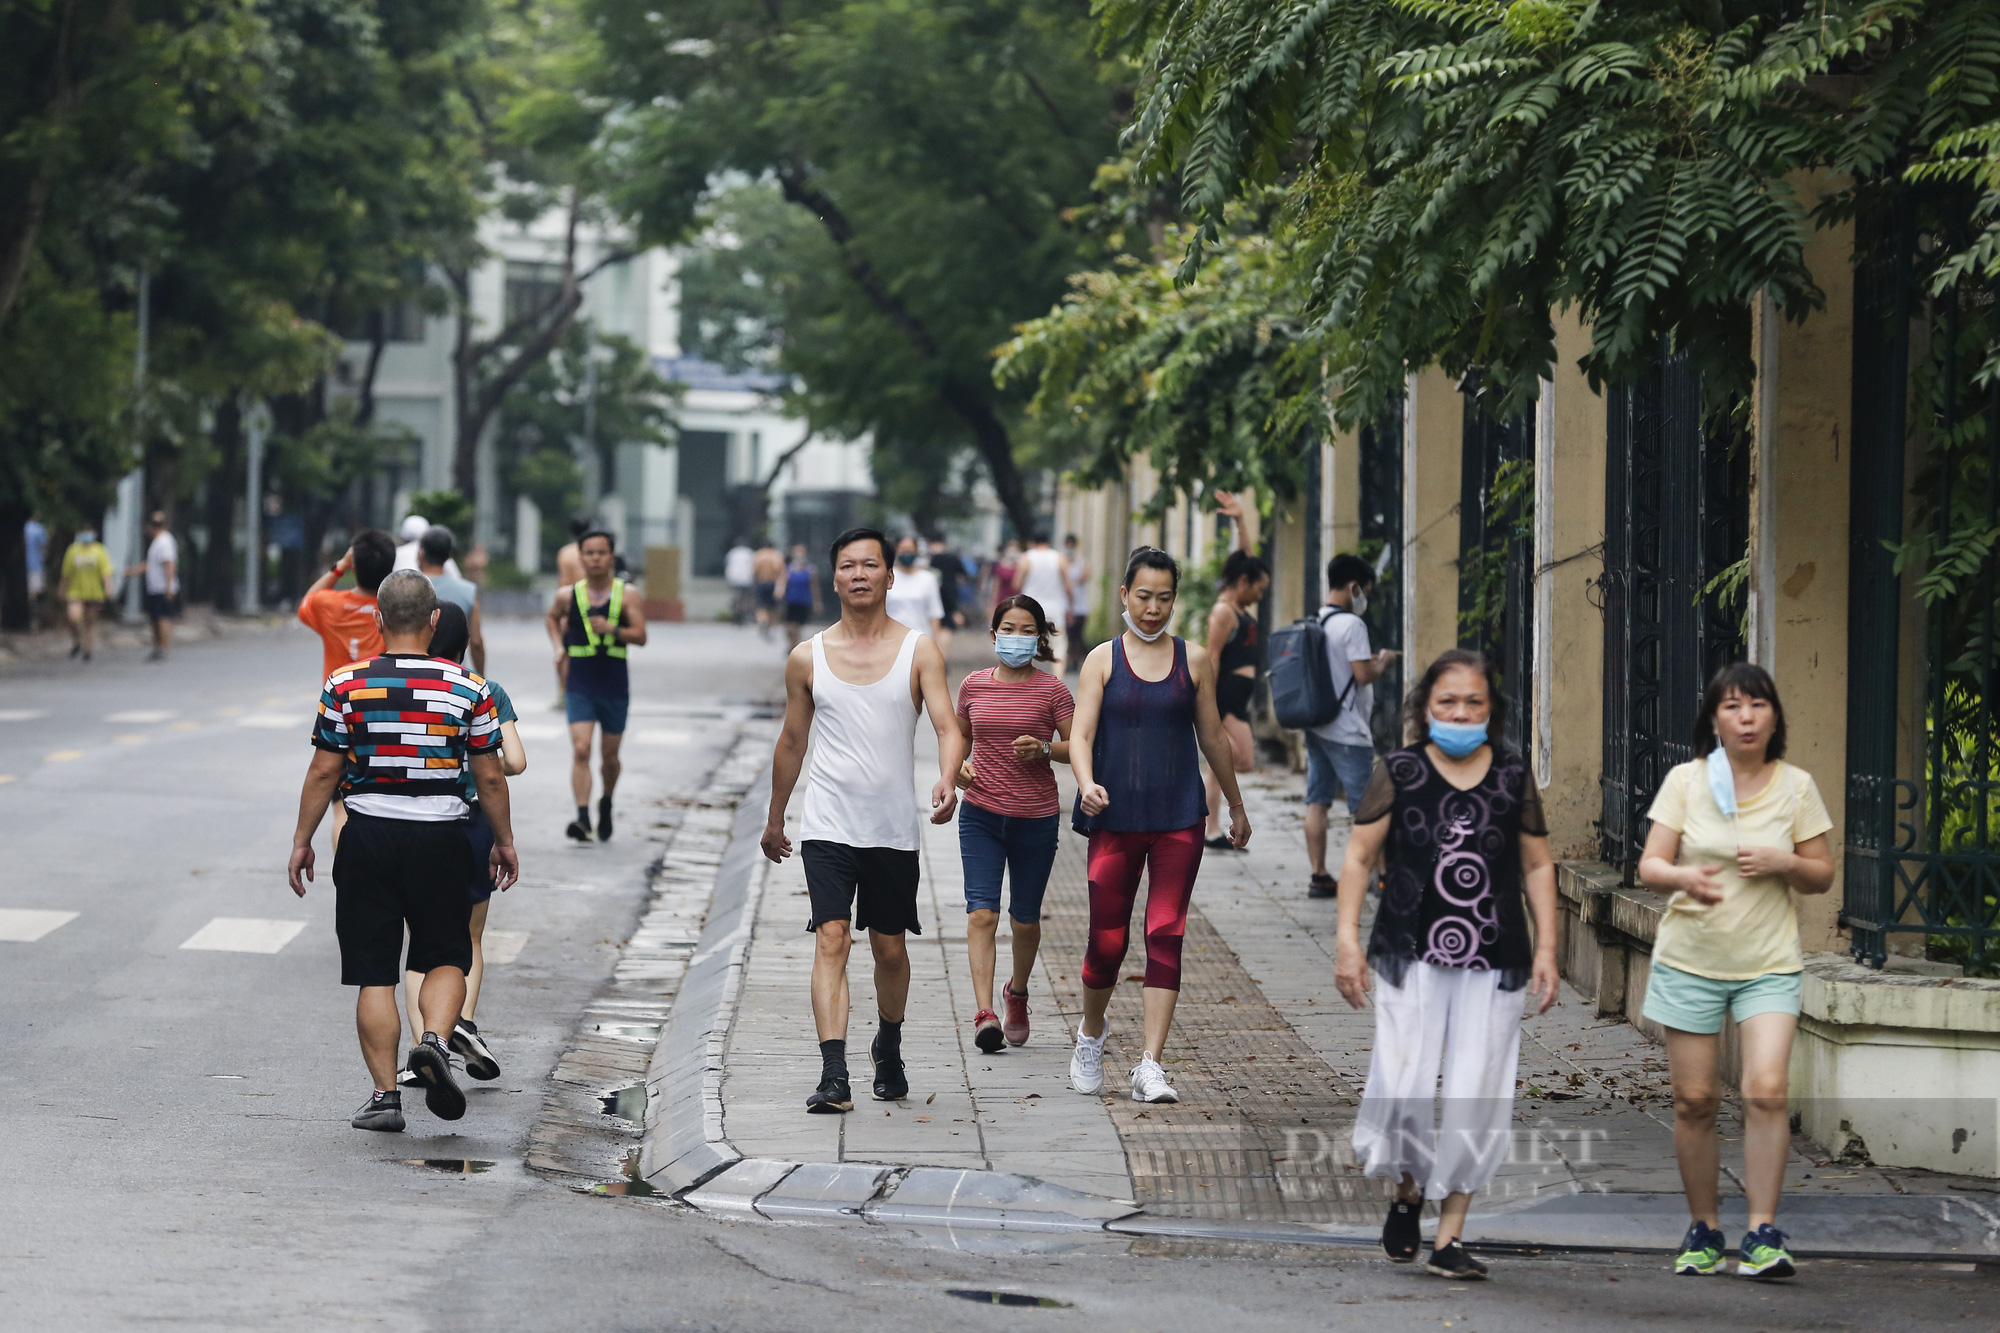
point(1149, 1082)
point(1086, 1063)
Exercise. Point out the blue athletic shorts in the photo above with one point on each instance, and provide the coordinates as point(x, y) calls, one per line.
point(1021, 847)
point(1328, 762)
point(607, 711)
point(1690, 1003)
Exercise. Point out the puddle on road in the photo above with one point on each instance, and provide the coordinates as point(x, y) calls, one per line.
point(634, 1186)
point(627, 1104)
point(451, 1166)
point(984, 1297)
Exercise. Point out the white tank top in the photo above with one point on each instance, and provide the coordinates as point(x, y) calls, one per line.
point(861, 787)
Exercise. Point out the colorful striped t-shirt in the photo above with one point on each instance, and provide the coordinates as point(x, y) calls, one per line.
point(408, 725)
point(999, 712)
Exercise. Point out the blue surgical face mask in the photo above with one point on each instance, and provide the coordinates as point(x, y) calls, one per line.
point(1722, 781)
point(1016, 650)
point(86, 537)
point(1458, 739)
point(906, 559)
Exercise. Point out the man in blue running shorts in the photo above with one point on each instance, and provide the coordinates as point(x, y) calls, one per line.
point(592, 623)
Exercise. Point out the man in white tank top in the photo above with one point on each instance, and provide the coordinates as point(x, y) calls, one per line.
point(861, 682)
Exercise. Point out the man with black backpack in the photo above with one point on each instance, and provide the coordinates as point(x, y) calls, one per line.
point(1323, 676)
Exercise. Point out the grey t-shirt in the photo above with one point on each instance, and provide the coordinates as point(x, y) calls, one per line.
point(450, 588)
point(1346, 644)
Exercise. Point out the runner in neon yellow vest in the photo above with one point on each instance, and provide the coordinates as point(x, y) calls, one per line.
point(593, 624)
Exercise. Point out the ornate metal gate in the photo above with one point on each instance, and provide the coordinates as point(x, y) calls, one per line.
point(1382, 530)
point(1677, 516)
point(1496, 605)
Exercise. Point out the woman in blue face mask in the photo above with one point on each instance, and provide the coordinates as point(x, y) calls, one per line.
point(1017, 719)
point(1456, 824)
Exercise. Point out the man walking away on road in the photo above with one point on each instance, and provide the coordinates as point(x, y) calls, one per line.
point(913, 599)
point(767, 571)
point(1343, 750)
point(1045, 578)
point(1076, 576)
point(163, 584)
point(86, 585)
point(433, 562)
point(861, 681)
point(35, 541)
point(344, 618)
point(398, 734)
point(592, 624)
point(801, 595)
point(739, 571)
point(414, 528)
point(448, 641)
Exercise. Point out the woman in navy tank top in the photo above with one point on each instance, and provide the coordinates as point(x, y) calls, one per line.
point(1145, 706)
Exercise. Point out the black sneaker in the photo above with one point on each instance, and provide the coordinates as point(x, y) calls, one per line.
point(431, 1063)
point(604, 820)
point(578, 831)
point(1219, 843)
point(1452, 1261)
point(831, 1098)
point(383, 1111)
point(1322, 886)
point(1403, 1232)
point(891, 1084)
point(479, 1061)
point(406, 1079)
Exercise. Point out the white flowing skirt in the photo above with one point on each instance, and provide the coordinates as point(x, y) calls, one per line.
point(1439, 1103)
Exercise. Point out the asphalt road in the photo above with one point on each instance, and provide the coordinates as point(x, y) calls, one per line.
point(173, 1119)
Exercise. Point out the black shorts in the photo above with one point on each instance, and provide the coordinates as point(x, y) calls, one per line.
point(479, 834)
point(797, 613)
point(767, 596)
point(163, 606)
point(877, 885)
point(1233, 694)
point(389, 872)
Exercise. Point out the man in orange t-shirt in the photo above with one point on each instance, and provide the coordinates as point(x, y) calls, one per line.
point(345, 619)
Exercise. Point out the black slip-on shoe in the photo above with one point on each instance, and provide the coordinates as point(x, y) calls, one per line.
point(383, 1111)
point(1402, 1233)
point(831, 1098)
point(1452, 1261)
point(1322, 886)
point(891, 1084)
point(604, 820)
point(431, 1063)
point(479, 1061)
point(578, 831)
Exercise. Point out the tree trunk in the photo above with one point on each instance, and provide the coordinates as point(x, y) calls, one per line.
point(16, 610)
point(224, 483)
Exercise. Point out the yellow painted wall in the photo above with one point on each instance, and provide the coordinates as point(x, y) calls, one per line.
point(1804, 548)
point(1433, 425)
point(1574, 723)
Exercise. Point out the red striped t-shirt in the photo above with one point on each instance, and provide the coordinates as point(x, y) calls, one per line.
point(998, 713)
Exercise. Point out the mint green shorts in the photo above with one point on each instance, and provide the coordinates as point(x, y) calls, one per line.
point(1682, 1000)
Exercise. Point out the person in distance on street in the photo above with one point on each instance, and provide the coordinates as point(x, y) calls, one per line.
point(801, 595)
point(1735, 833)
point(403, 860)
point(860, 684)
point(86, 585)
point(1234, 644)
point(1456, 822)
point(1145, 706)
point(593, 623)
point(1016, 721)
point(449, 642)
point(345, 619)
point(1343, 751)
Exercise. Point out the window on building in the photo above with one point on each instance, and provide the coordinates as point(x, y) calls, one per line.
point(530, 286)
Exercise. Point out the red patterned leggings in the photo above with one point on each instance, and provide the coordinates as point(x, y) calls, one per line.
point(1116, 860)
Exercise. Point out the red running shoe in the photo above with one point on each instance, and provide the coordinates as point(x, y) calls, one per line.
point(986, 1031)
point(1016, 1026)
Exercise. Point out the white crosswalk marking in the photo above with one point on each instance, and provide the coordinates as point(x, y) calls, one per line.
point(274, 721)
point(503, 946)
point(141, 716)
point(25, 925)
point(244, 934)
point(22, 714)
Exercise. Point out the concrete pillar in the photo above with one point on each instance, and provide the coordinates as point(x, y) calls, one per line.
point(1433, 429)
point(1341, 512)
point(1798, 538)
point(1569, 628)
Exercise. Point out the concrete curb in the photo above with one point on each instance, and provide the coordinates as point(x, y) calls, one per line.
point(687, 1153)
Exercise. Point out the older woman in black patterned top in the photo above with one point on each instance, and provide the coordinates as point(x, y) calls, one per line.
point(1457, 825)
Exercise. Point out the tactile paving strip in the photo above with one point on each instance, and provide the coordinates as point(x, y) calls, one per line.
point(1263, 1125)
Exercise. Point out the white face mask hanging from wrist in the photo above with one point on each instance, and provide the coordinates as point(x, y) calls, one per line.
point(1133, 625)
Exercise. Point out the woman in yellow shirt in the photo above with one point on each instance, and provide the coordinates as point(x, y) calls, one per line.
point(1735, 832)
point(86, 585)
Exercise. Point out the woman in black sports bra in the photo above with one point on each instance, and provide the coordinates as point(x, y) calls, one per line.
point(1238, 651)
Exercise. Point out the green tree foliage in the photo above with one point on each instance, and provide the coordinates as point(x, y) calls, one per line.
point(935, 143)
